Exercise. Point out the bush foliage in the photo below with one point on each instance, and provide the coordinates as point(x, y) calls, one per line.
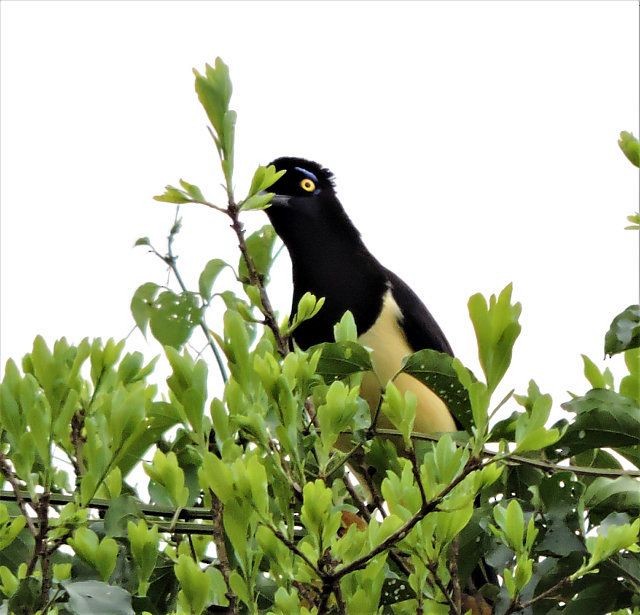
point(253, 504)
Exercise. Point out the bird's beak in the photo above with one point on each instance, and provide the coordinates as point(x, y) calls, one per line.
point(280, 200)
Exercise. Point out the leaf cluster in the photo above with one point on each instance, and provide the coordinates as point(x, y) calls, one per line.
point(280, 491)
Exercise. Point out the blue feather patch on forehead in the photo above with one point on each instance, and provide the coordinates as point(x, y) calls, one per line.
point(306, 173)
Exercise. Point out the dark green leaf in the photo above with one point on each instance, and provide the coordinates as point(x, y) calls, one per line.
point(631, 453)
point(395, 590)
point(121, 510)
point(434, 369)
point(605, 418)
point(596, 599)
point(624, 331)
point(340, 359)
point(173, 317)
point(142, 241)
point(96, 597)
point(597, 458)
point(560, 497)
point(25, 599)
point(617, 494)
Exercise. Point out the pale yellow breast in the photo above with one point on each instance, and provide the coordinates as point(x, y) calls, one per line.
point(389, 346)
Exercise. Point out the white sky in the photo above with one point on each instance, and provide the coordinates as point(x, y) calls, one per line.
point(473, 144)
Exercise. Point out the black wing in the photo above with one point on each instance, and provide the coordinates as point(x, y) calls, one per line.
point(420, 328)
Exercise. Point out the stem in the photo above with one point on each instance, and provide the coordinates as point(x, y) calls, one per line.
point(170, 260)
point(41, 551)
point(516, 605)
point(17, 495)
point(455, 609)
point(362, 509)
point(255, 279)
point(426, 508)
point(455, 578)
point(294, 549)
point(221, 550)
point(518, 459)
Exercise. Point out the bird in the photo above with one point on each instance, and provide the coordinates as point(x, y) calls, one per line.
point(329, 259)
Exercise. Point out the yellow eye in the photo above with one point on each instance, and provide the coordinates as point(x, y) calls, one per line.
point(308, 185)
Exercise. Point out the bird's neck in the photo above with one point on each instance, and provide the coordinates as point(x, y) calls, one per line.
point(325, 250)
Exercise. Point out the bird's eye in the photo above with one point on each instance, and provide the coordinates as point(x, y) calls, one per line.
point(307, 184)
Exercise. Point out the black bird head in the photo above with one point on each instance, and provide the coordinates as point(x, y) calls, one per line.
point(303, 179)
point(305, 210)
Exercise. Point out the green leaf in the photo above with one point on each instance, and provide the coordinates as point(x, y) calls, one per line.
point(336, 414)
point(610, 540)
point(257, 201)
point(188, 383)
point(121, 511)
point(345, 330)
point(340, 359)
point(141, 304)
point(96, 597)
point(497, 328)
point(618, 494)
point(166, 471)
point(435, 370)
point(25, 598)
point(624, 331)
point(173, 317)
point(260, 247)
point(228, 140)
point(401, 411)
point(604, 418)
point(635, 222)
point(308, 307)
point(214, 93)
point(596, 378)
point(263, 178)
point(192, 190)
point(142, 241)
point(630, 147)
point(105, 558)
point(511, 521)
point(630, 384)
point(172, 194)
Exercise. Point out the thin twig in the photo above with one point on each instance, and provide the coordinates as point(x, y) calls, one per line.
point(362, 508)
point(255, 279)
point(518, 459)
point(18, 496)
point(516, 605)
point(437, 581)
point(455, 577)
point(294, 549)
point(426, 508)
point(44, 552)
point(170, 259)
point(224, 564)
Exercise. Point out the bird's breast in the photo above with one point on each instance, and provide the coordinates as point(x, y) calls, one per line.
point(389, 346)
